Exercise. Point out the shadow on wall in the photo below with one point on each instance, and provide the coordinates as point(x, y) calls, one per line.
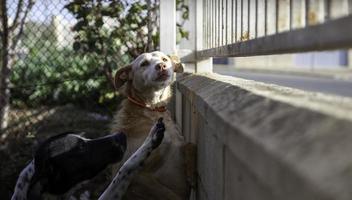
point(326, 59)
point(221, 61)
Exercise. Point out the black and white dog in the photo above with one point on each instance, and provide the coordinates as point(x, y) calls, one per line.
point(65, 160)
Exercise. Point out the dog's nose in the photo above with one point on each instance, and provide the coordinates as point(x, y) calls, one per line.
point(160, 66)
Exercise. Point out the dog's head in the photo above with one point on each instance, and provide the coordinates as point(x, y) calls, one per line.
point(149, 71)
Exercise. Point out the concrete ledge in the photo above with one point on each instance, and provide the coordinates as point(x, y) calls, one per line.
point(260, 141)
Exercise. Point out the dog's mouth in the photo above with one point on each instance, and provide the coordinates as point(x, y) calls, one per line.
point(162, 77)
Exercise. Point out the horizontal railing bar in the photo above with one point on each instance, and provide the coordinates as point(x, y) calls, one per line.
point(330, 35)
point(189, 58)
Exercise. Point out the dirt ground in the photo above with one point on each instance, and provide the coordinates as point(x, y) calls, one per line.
point(27, 128)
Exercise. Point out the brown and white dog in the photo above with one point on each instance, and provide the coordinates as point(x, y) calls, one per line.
point(146, 84)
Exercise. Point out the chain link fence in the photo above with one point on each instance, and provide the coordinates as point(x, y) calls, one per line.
point(47, 72)
point(56, 87)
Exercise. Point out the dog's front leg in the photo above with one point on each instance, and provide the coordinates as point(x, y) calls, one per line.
point(23, 182)
point(118, 186)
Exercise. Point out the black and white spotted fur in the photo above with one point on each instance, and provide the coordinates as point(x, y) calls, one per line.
point(23, 182)
point(121, 181)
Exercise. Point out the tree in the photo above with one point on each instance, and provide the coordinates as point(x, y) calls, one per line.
point(10, 34)
point(114, 31)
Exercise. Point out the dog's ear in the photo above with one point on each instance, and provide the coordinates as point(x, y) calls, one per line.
point(122, 75)
point(176, 63)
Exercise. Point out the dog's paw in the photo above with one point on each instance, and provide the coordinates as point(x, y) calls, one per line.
point(158, 133)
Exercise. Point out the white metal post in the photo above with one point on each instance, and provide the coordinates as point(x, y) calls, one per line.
point(201, 65)
point(187, 46)
point(168, 26)
point(168, 46)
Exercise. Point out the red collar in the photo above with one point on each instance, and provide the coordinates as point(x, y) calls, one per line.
point(143, 105)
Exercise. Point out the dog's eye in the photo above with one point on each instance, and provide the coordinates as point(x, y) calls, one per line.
point(164, 59)
point(144, 63)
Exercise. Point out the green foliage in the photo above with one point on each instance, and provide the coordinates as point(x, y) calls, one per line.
point(60, 78)
point(127, 34)
point(114, 31)
point(182, 8)
point(38, 35)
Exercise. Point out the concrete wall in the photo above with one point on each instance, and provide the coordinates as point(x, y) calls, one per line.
point(263, 142)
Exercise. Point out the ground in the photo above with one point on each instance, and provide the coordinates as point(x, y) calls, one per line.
point(28, 127)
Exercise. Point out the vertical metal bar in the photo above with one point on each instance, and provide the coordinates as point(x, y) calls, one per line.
point(205, 19)
point(226, 31)
point(167, 26)
point(241, 33)
point(236, 16)
point(306, 13)
point(256, 19)
point(211, 24)
point(211, 10)
point(219, 23)
point(232, 20)
point(215, 23)
point(222, 22)
point(199, 24)
point(327, 10)
point(276, 16)
point(248, 16)
point(203, 25)
point(349, 6)
point(265, 17)
point(207, 23)
point(290, 13)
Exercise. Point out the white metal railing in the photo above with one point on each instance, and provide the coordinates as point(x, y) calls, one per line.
point(230, 28)
point(262, 27)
